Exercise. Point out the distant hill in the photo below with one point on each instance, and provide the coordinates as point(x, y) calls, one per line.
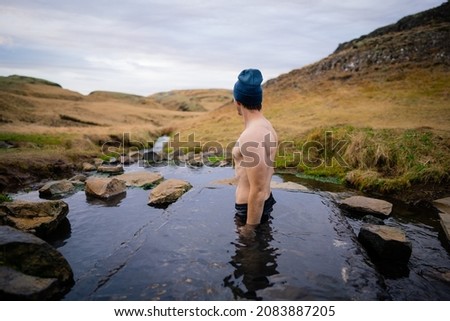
point(17, 80)
point(193, 100)
point(38, 103)
point(35, 87)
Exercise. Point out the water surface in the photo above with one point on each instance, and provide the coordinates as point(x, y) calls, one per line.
point(124, 249)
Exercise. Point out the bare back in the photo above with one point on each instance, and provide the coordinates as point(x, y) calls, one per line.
point(254, 156)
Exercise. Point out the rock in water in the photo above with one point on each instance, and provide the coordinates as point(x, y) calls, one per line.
point(168, 192)
point(30, 268)
point(443, 205)
point(367, 205)
point(56, 189)
point(388, 244)
point(142, 178)
point(87, 167)
point(152, 157)
point(372, 220)
point(40, 218)
point(110, 169)
point(104, 188)
point(289, 186)
point(15, 285)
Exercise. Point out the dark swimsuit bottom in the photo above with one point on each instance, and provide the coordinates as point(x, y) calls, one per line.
point(241, 209)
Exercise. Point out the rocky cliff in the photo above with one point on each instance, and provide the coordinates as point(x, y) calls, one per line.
point(420, 40)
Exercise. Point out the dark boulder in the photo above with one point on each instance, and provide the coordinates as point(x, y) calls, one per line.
point(31, 269)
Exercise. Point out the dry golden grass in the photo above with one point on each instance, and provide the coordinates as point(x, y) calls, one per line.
point(42, 109)
point(193, 100)
point(415, 99)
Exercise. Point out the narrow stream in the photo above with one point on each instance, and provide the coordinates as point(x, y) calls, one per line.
point(124, 249)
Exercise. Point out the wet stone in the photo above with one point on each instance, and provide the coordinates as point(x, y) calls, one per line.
point(443, 205)
point(110, 169)
point(104, 188)
point(31, 268)
point(141, 178)
point(41, 218)
point(367, 205)
point(19, 286)
point(288, 186)
point(168, 192)
point(386, 243)
point(56, 189)
point(87, 167)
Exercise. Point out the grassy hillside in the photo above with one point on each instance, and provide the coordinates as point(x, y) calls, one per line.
point(45, 107)
point(413, 98)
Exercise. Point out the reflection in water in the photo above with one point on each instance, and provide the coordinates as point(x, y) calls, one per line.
point(113, 201)
point(62, 233)
point(254, 261)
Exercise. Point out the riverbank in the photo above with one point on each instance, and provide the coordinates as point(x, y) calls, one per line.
point(27, 159)
point(409, 165)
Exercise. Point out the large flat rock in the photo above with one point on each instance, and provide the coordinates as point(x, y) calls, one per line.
point(443, 205)
point(56, 189)
point(367, 205)
point(110, 169)
point(168, 192)
point(140, 178)
point(41, 218)
point(386, 242)
point(104, 188)
point(288, 186)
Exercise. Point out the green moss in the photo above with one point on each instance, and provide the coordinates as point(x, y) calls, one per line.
point(39, 140)
point(5, 198)
point(216, 159)
point(108, 157)
point(321, 178)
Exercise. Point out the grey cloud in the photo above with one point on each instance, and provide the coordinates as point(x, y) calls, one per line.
point(147, 46)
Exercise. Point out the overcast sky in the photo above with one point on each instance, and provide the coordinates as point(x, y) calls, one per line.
point(148, 46)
